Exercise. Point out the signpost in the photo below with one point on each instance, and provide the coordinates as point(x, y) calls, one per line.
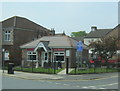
point(80, 46)
point(67, 61)
point(79, 52)
point(67, 53)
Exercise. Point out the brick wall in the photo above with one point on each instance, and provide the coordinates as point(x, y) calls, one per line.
point(22, 31)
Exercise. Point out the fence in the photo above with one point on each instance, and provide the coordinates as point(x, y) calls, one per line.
point(48, 68)
point(93, 70)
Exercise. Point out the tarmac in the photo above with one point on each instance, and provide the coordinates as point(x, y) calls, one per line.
point(60, 77)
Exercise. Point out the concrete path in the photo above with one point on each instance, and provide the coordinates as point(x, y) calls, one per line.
point(63, 72)
point(38, 76)
point(32, 76)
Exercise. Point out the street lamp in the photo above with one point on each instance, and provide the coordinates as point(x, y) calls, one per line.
point(3, 50)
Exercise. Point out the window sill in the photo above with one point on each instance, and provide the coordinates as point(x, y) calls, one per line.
point(32, 60)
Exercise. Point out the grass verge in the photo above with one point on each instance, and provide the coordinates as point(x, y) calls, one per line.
point(38, 70)
point(92, 70)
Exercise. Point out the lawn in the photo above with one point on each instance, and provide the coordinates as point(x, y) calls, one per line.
point(38, 70)
point(92, 70)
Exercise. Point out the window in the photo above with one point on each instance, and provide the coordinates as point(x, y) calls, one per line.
point(32, 56)
point(45, 56)
point(58, 53)
point(7, 35)
point(62, 53)
point(59, 58)
point(6, 55)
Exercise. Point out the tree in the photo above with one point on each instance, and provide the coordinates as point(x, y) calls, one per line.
point(78, 34)
point(105, 48)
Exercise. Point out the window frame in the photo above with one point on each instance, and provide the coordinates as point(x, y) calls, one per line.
point(45, 56)
point(7, 35)
point(30, 53)
point(60, 54)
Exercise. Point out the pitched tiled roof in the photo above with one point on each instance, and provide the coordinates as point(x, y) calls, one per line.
point(99, 33)
point(54, 42)
point(22, 23)
point(79, 38)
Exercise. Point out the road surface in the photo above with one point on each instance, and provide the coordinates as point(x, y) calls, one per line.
point(17, 83)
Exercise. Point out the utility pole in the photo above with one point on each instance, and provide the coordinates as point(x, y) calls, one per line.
point(67, 63)
point(3, 64)
point(79, 52)
point(55, 65)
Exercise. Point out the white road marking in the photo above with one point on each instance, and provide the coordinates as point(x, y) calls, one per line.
point(84, 87)
point(66, 84)
point(102, 88)
point(108, 84)
point(91, 86)
point(57, 83)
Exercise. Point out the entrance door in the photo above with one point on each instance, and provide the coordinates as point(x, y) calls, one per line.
point(44, 58)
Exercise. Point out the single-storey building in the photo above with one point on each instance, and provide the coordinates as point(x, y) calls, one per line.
point(48, 50)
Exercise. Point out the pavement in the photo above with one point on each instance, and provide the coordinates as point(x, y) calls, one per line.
point(63, 72)
point(39, 76)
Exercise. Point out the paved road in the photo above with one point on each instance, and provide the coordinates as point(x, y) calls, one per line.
point(17, 83)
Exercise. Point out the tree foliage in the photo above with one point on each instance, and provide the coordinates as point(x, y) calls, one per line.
point(105, 48)
point(78, 34)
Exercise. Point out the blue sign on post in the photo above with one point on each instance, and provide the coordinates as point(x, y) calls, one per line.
point(80, 46)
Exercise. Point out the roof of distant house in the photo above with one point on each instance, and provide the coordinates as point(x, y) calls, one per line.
point(99, 33)
point(79, 38)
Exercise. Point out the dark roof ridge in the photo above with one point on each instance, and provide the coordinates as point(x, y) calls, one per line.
point(99, 33)
point(73, 38)
point(7, 18)
point(68, 38)
point(114, 28)
point(105, 29)
point(44, 41)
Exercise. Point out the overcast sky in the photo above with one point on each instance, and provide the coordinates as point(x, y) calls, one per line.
point(65, 16)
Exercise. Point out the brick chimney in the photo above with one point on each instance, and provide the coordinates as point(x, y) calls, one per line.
point(93, 28)
point(52, 31)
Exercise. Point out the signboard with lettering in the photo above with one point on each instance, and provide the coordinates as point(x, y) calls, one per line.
point(67, 53)
point(79, 46)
